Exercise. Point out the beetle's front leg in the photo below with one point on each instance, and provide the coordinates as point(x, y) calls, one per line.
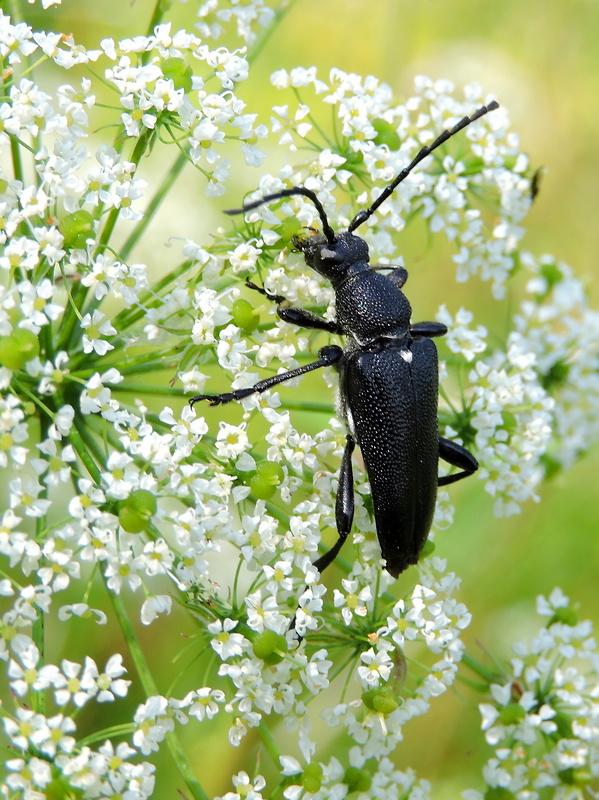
point(344, 505)
point(397, 275)
point(297, 316)
point(457, 456)
point(329, 355)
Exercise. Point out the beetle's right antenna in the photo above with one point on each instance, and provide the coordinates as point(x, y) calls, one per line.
point(362, 216)
point(326, 228)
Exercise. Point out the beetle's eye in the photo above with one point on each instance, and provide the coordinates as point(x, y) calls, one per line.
point(331, 255)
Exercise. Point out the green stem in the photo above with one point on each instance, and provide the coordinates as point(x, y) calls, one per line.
point(260, 43)
point(154, 204)
point(147, 680)
point(14, 10)
point(485, 673)
point(86, 364)
point(155, 391)
point(138, 151)
point(24, 389)
point(160, 9)
point(319, 408)
point(38, 699)
point(82, 450)
point(129, 316)
point(17, 165)
point(106, 733)
point(483, 688)
point(70, 318)
point(269, 743)
point(38, 628)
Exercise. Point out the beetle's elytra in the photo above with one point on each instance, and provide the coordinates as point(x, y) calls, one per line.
point(388, 380)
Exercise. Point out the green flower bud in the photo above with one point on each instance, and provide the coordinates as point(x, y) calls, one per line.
point(18, 348)
point(386, 133)
point(552, 274)
point(137, 511)
point(576, 777)
point(382, 700)
point(289, 227)
point(565, 616)
point(511, 714)
point(499, 793)
point(264, 480)
point(357, 780)
point(179, 72)
point(269, 647)
point(244, 316)
point(312, 778)
point(59, 789)
point(77, 228)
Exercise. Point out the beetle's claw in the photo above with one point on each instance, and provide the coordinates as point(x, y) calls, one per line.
point(214, 400)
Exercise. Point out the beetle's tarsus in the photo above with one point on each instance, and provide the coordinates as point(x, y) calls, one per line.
point(275, 298)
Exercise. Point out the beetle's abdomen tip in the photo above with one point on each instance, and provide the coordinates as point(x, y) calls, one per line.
point(395, 566)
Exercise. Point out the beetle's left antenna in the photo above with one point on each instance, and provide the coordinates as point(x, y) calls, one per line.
point(326, 228)
point(362, 216)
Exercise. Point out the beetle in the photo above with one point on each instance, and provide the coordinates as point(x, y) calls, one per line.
point(388, 379)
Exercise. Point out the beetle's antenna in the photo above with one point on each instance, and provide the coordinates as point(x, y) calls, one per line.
point(326, 228)
point(362, 216)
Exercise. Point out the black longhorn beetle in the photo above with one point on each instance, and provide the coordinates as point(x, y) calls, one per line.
point(388, 380)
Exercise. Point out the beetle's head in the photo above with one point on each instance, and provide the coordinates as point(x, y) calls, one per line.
point(329, 253)
point(332, 259)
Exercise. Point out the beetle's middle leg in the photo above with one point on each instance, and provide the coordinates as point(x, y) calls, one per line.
point(457, 456)
point(329, 355)
point(344, 505)
point(428, 329)
point(296, 316)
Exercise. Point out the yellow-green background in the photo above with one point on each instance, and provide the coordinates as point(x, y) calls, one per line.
point(540, 59)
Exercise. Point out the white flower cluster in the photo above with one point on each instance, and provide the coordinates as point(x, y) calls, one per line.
point(511, 413)
point(556, 324)
point(95, 773)
point(543, 720)
point(107, 484)
point(380, 137)
point(215, 16)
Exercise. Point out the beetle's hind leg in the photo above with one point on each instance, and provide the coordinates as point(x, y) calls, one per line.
point(344, 512)
point(344, 505)
point(296, 316)
point(457, 456)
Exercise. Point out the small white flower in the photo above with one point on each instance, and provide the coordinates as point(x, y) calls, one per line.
point(226, 643)
point(154, 606)
point(377, 667)
point(96, 327)
point(231, 440)
point(205, 703)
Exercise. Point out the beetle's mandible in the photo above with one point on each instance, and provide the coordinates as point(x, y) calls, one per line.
point(388, 380)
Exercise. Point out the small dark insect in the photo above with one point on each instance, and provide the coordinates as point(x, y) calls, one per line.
point(388, 380)
point(535, 183)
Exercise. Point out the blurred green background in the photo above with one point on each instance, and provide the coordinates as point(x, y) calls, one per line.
point(541, 61)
